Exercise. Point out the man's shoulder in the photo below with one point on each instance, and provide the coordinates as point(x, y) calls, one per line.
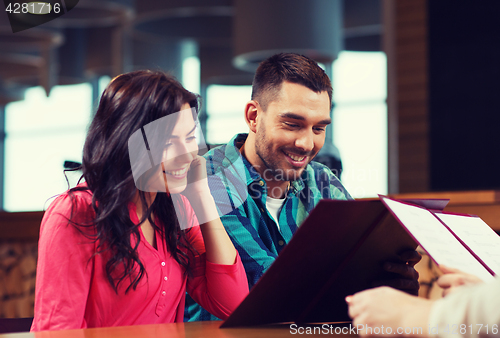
point(216, 154)
point(224, 155)
point(227, 177)
point(226, 168)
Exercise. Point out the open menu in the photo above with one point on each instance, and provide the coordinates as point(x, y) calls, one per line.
point(341, 247)
point(463, 242)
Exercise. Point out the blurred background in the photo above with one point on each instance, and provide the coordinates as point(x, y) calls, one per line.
point(414, 84)
point(52, 76)
point(415, 93)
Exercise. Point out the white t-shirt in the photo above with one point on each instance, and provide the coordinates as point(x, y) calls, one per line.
point(274, 205)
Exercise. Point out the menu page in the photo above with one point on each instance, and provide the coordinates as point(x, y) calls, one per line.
point(436, 239)
point(478, 236)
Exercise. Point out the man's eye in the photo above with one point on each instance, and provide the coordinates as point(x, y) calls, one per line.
point(291, 125)
point(319, 129)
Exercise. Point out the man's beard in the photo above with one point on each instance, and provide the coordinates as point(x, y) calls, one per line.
point(272, 169)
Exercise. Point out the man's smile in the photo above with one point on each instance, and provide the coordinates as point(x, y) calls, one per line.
point(296, 160)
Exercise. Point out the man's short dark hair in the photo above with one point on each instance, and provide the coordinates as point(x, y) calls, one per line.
point(291, 67)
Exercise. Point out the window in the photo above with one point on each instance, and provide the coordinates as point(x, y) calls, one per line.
point(42, 133)
point(360, 121)
point(225, 110)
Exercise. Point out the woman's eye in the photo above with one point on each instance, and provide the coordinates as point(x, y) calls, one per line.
point(191, 138)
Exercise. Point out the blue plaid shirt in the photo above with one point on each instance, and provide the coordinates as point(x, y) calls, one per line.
point(240, 194)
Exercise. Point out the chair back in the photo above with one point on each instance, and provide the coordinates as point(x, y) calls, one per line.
point(10, 325)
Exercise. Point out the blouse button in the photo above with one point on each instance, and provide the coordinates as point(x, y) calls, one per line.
point(165, 278)
point(261, 183)
point(162, 263)
point(163, 293)
point(281, 243)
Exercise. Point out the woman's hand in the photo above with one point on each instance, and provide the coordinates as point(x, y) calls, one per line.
point(388, 312)
point(198, 192)
point(454, 278)
point(197, 182)
point(219, 247)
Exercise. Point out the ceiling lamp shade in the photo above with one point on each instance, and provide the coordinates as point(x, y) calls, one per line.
point(96, 13)
point(263, 28)
point(27, 58)
point(362, 25)
point(216, 67)
point(107, 52)
point(166, 32)
point(95, 33)
point(85, 42)
point(163, 55)
point(206, 22)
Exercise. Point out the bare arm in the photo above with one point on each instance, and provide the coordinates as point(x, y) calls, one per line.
point(389, 311)
point(218, 246)
point(454, 278)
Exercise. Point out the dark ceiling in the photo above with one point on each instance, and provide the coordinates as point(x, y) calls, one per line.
point(108, 37)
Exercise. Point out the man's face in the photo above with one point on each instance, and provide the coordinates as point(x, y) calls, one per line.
point(291, 131)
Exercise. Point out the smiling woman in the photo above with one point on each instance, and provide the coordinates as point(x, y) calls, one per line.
point(125, 243)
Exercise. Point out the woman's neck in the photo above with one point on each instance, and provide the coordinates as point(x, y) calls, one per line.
point(150, 198)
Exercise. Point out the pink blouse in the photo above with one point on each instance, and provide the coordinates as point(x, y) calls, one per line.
point(72, 289)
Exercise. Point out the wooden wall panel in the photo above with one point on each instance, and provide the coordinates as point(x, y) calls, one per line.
point(405, 43)
point(20, 226)
point(18, 256)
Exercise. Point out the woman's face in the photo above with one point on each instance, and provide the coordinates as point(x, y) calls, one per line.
point(180, 149)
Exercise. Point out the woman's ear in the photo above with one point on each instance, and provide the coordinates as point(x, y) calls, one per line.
point(251, 115)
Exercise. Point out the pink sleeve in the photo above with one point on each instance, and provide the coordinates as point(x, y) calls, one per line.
point(64, 267)
point(216, 287)
point(193, 232)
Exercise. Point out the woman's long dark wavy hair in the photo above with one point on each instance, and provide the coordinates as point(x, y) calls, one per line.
point(130, 101)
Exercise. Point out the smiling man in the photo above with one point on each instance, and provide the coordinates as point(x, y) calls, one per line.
point(269, 174)
point(285, 133)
